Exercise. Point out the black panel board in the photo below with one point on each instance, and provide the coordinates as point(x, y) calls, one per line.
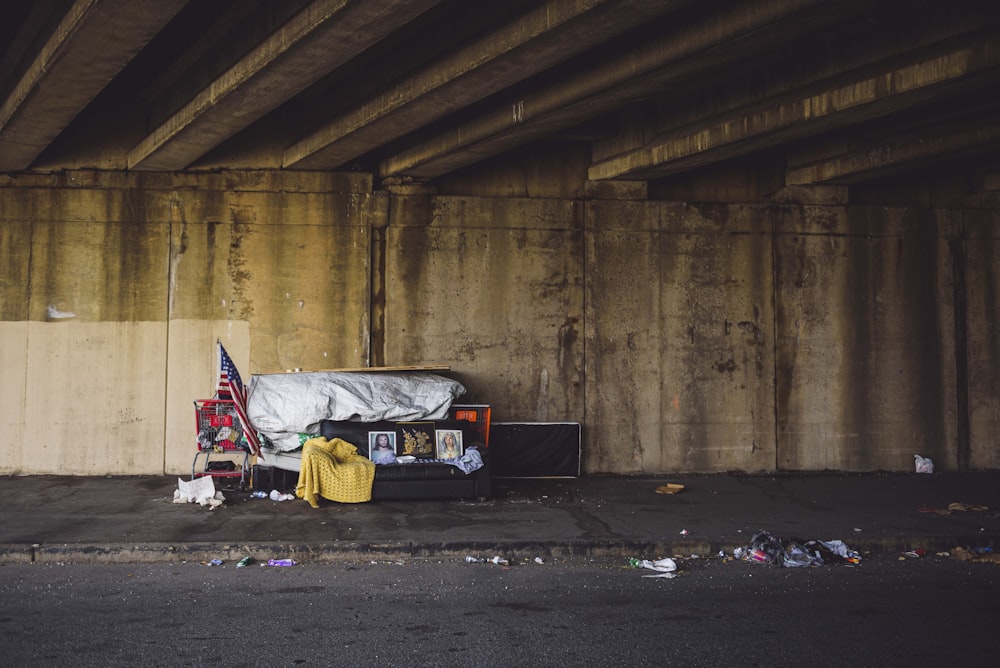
point(535, 450)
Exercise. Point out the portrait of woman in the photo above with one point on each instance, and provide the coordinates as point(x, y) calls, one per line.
point(382, 447)
point(449, 444)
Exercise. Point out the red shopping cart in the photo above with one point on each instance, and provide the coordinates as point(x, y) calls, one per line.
point(220, 434)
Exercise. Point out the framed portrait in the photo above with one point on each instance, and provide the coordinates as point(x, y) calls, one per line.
point(416, 439)
point(448, 443)
point(382, 446)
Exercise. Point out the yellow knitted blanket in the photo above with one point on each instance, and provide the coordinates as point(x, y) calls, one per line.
point(334, 470)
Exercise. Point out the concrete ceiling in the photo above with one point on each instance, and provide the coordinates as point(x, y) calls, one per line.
point(836, 91)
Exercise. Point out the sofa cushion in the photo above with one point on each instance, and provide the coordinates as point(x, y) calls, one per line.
point(418, 471)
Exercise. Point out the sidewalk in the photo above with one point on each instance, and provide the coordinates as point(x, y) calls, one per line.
point(134, 519)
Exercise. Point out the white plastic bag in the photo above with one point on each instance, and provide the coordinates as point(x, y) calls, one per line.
point(665, 567)
point(923, 464)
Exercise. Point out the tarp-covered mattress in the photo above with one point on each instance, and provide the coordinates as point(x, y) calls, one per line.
point(282, 406)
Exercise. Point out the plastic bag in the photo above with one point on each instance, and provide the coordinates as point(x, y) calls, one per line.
point(766, 548)
point(665, 567)
point(923, 464)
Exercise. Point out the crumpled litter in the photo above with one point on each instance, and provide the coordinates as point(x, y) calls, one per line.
point(665, 567)
point(200, 490)
point(923, 464)
point(981, 554)
point(766, 548)
point(278, 496)
point(954, 507)
point(967, 506)
point(669, 488)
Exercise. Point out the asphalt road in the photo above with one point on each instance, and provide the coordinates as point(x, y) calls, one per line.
point(926, 611)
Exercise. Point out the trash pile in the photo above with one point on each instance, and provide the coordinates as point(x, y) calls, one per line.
point(247, 561)
point(767, 549)
point(498, 560)
point(275, 495)
point(200, 491)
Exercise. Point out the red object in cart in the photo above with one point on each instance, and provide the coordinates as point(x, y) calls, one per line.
point(220, 434)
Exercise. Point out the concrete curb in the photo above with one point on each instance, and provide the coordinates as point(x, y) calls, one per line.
point(514, 550)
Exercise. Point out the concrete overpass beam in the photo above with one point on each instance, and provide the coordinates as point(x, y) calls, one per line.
point(607, 86)
point(321, 37)
point(92, 44)
point(881, 158)
point(800, 114)
point(554, 32)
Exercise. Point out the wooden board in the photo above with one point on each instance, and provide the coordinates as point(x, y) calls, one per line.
point(370, 369)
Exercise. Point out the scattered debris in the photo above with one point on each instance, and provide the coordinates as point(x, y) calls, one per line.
point(278, 496)
point(923, 464)
point(498, 560)
point(538, 560)
point(684, 532)
point(281, 562)
point(953, 507)
point(245, 561)
point(976, 554)
point(966, 506)
point(766, 548)
point(215, 562)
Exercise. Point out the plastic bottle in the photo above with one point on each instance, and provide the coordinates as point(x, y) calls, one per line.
point(245, 561)
point(280, 562)
point(259, 494)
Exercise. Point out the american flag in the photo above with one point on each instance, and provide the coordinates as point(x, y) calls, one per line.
point(231, 384)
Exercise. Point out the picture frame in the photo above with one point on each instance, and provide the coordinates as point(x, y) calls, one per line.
point(415, 439)
point(382, 447)
point(448, 443)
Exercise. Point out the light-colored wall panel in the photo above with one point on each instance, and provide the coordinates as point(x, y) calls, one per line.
point(94, 398)
point(14, 364)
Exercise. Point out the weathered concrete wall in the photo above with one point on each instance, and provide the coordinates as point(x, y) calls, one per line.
point(978, 252)
point(865, 325)
point(494, 288)
point(680, 353)
point(714, 337)
point(146, 272)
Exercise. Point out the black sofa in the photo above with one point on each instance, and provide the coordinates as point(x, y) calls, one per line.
point(417, 480)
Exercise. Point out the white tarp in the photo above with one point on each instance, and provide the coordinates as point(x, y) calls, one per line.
point(284, 405)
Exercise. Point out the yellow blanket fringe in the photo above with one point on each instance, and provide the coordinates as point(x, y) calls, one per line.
point(334, 470)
